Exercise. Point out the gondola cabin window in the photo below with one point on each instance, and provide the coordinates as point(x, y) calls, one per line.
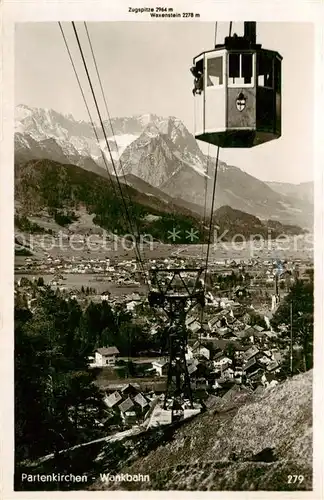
point(215, 71)
point(240, 70)
point(265, 70)
point(277, 69)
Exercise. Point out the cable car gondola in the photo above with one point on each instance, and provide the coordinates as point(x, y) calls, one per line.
point(237, 92)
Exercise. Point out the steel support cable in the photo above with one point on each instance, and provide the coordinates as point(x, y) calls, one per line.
point(208, 245)
point(202, 245)
point(103, 93)
point(86, 105)
point(205, 201)
point(137, 252)
point(211, 216)
point(110, 121)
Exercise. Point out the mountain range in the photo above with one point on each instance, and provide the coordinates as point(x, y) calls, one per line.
point(303, 191)
point(158, 157)
point(63, 193)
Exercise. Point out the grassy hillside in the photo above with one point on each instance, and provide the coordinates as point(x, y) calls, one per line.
point(227, 448)
point(232, 221)
point(62, 189)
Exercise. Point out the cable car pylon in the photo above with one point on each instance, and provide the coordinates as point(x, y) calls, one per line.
point(172, 292)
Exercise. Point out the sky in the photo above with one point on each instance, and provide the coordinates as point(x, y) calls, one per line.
point(144, 67)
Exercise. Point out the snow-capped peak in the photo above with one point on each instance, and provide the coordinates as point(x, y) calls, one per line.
point(149, 136)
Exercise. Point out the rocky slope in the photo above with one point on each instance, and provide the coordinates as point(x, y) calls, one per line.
point(161, 152)
point(243, 442)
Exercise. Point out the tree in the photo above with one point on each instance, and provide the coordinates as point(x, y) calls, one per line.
point(130, 369)
point(299, 302)
point(56, 403)
point(297, 364)
point(40, 281)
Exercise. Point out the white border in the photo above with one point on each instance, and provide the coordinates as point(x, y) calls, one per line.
point(108, 10)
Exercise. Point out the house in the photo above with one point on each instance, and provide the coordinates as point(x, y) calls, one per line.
point(264, 359)
point(254, 376)
point(250, 353)
point(112, 399)
point(141, 401)
point(106, 356)
point(130, 417)
point(269, 380)
point(120, 387)
point(270, 334)
point(194, 326)
point(126, 405)
point(130, 390)
point(203, 351)
point(273, 366)
point(190, 412)
point(221, 362)
point(160, 417)
point(225, 332)
point(160, 366)
point(192, 368)
point(130, 306)
point(105, 296)
point(228, 373)
point(127, 411)
point(259, 337)
point(197, 350)
point(251, 365)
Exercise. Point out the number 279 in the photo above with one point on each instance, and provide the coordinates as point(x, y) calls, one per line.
point(295, 479)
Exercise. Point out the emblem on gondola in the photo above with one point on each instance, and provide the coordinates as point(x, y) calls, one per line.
point(240, 102)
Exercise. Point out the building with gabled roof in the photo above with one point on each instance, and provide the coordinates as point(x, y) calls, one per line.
point(161, 366)
point(159, 417)
point(112, 399)
point(106, 356)
point(251, 365)
point(126, 405)
point(251, 352)
point(269, 380)
point(192, 368)
point(141, 400)
point(130, 390)
point(273, 366)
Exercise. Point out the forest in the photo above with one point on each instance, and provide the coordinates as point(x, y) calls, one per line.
point(56, 402)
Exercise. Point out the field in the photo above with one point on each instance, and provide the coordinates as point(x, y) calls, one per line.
point(75, 281)
point(100, 247)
